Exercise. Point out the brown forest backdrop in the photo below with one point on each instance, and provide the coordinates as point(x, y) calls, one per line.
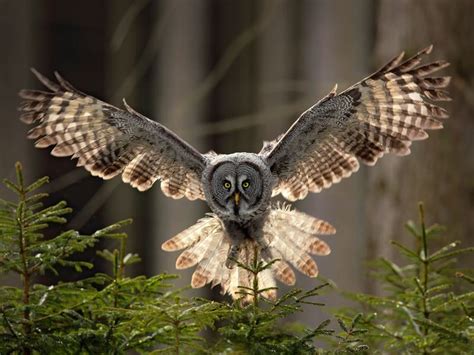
point(226, 75)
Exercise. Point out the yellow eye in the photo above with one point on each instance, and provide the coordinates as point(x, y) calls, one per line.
point(227, 185)
point(246, 184)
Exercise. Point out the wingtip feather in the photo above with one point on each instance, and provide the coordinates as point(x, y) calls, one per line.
point(45, 81)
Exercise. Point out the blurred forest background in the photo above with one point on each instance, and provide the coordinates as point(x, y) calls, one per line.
point(226, 75)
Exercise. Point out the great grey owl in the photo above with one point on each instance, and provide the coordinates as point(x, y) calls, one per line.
point(381, 114)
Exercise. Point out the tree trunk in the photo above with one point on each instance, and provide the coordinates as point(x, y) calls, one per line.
point(14, 23)
point(336, 52)
point(179, 67)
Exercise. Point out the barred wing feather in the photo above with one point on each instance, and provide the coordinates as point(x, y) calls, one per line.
point(108, 141)
point(381, 114)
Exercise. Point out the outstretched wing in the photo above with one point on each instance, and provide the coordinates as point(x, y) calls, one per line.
point(381, 114)
point(109, 141)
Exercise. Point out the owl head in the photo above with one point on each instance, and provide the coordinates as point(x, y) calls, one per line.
point(238, 186)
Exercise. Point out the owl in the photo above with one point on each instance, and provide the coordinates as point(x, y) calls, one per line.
point(381, 114)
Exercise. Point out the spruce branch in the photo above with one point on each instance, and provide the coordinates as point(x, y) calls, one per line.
point(426, 310)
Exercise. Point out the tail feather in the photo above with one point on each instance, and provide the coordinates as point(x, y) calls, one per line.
point(191, 235)
point(266, 282)
point(302, 221)
point(288, 237)
point(317, 246)
point(301, 260)
point(207, 270)
point(282, 271)
point(200, 250)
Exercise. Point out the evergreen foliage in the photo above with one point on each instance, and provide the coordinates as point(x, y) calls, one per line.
point(253, 328)
point(113, 313)
point(428, 308)
point(429, 303)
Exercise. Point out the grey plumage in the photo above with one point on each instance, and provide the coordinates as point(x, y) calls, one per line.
point(381, 114)
point(109, 141)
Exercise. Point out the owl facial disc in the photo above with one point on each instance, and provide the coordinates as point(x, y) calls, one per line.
point(238, 188)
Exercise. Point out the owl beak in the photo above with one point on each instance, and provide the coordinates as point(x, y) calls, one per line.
point(237, 198)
